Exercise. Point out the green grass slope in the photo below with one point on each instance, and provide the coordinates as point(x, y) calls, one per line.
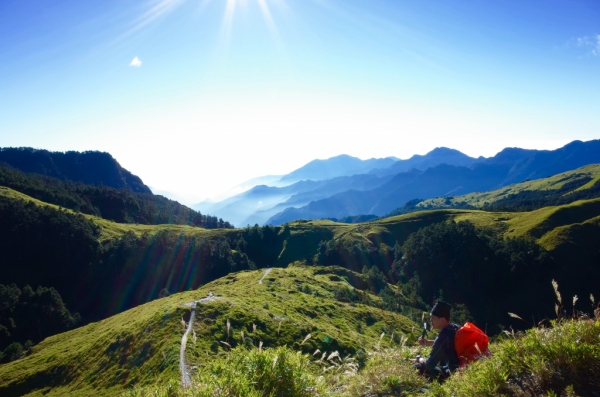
point(304, 236)
point(116, 204)
point(141, 346)
point(299, 240)
point(180, 263)
point(110, 229)
point(538, 223)
point(559, 359)
point(581, 179)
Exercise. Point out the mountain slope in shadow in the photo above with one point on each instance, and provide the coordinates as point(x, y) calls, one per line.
point(91, 167)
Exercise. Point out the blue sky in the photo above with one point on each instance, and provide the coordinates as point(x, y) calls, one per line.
point(196, 96)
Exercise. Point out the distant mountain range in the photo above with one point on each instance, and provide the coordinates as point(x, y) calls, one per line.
point(339, 187)
point(343, 165)
point(345, 186)
point(437, 156)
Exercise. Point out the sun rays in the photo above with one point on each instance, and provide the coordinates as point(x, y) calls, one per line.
point(154, 10)
point(232, 6)
point(228, 18)
point(264, 8)
point(158, 9)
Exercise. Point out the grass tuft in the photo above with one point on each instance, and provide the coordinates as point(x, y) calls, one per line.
point(555, 286)
point(248, 373)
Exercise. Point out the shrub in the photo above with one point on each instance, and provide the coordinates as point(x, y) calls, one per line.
point(13, 352)
point(279, 372)
point(214, 346)
point(386, 373)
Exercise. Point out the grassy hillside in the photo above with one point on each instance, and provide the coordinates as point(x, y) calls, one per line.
point(343, 308)
point(140, 346)
point(116, 204)
point(111, 230)
point(540, 224)
point(82, 256)
point(136, 262)
point(305, 235)
point(560, 359)
point(564, 186)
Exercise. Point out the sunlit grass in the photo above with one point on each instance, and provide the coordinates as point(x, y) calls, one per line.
point(249, 372)
point(141, 346)
point(538, 223)
point(555, 182)
point(543, 225)
point(562, 359)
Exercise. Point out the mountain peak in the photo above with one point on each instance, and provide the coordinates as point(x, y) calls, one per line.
point(442, 150)
point(341, 165)
point(510, 154)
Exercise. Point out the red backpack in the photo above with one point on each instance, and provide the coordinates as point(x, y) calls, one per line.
point(471, 344)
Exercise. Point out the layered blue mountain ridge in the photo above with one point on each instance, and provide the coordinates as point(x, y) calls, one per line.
point(345, 186)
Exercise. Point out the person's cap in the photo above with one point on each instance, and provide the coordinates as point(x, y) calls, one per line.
point(441, 309)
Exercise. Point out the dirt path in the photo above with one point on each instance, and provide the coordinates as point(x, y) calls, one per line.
point(186, 380)
point(264, 275)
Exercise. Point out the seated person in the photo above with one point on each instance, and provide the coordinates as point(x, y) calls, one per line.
point(443, 359)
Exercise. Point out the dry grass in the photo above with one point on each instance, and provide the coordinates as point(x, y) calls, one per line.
point(307, 337)
point(387, 373)
point(555, 286)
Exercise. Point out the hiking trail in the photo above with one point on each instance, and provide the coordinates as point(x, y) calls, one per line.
point(264, 275)
point(186, 380)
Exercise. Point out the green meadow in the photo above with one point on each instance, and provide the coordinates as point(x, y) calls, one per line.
point(141, 346)
point(297, 310)
point(587, 177)
point(540, 224)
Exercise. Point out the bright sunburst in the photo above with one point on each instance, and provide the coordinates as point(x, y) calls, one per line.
point(160, 8)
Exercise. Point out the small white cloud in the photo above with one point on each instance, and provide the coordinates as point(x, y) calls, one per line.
point(590, 42)
point(136, 62)
point(583, 41)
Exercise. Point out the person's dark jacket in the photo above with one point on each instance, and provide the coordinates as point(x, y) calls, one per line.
point(443, 357)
